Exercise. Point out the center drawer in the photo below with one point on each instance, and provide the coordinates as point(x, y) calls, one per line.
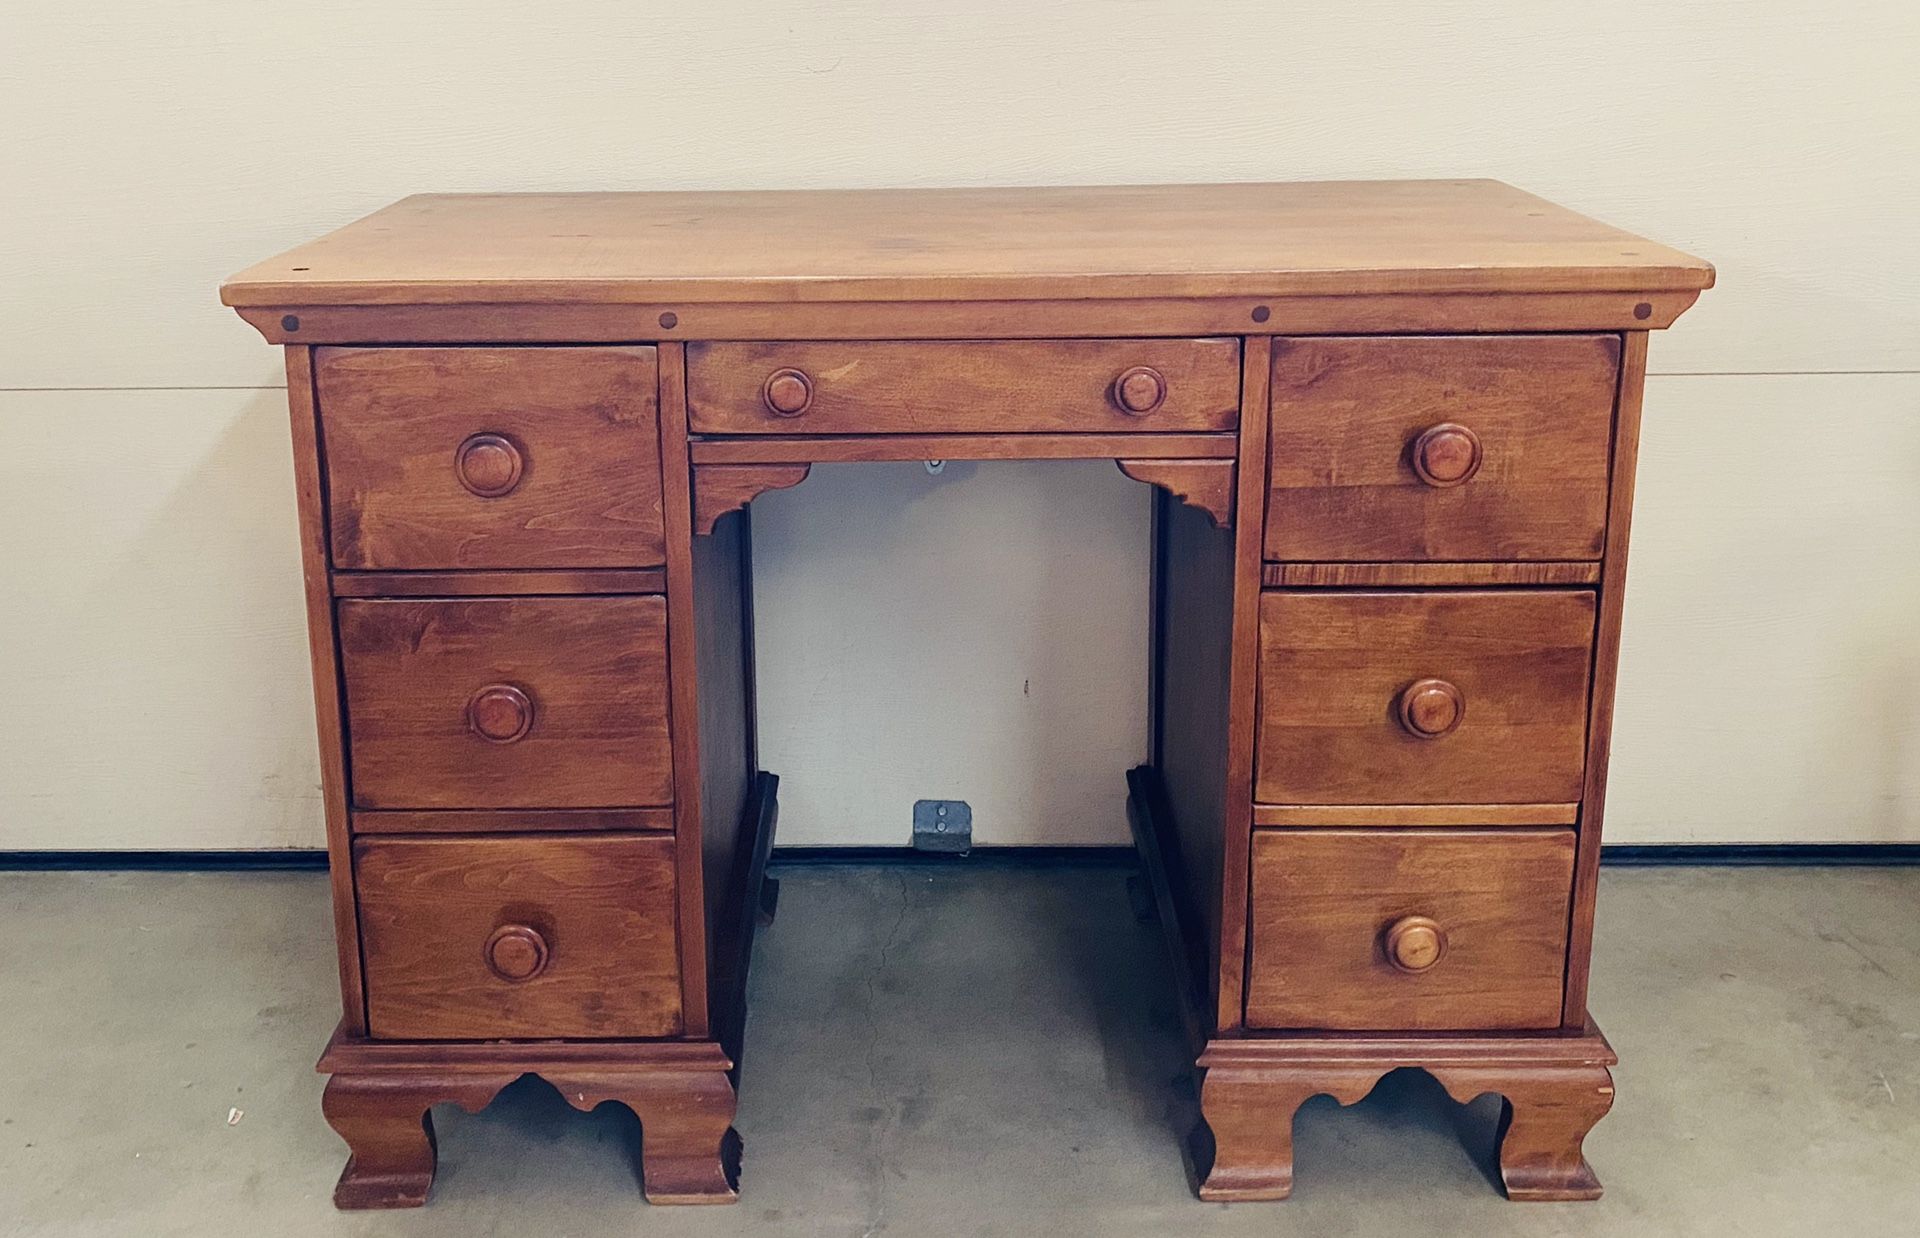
point(478, 938)
point(521, 702)
point(963, 387)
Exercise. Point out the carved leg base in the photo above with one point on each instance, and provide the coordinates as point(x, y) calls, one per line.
point(379, 1095)
point(1250, 1113)
point(389, 1134)
point(1549, 1111)
point(685, 1120)
point(1555, 1087)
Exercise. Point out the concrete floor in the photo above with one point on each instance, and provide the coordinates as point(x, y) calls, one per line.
point(961, 1051)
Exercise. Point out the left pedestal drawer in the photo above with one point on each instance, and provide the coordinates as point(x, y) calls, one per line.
point(530, 457)
point(516, 937)
point(521, 702)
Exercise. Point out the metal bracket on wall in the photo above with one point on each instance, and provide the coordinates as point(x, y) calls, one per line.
point(942, 825)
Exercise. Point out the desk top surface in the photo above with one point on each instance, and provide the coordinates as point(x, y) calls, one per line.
point(1277, 239)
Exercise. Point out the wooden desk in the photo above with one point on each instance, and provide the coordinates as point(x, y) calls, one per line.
point(1392, 430)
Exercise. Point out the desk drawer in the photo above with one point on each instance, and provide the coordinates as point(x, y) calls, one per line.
point(526, 702)
point(1377, 930)
point(955, 387)
point(1440, 697)
point(492, 457)
point(1446, 448)
point(478, 938)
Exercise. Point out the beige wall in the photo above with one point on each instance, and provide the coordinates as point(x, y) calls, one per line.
point(149, 599)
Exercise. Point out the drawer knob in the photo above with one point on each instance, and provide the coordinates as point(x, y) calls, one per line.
point(1415, 943)
point(516, 953)
point(489, 465)
point(788, 393)
point(1446, 455)
point(500, 712)
point(1430, 708)
point(1139, 390)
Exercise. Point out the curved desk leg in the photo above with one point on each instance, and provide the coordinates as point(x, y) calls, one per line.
point(685, 1120)
point(391, 1152)
point(1250, 1112)
point(1549, 1110)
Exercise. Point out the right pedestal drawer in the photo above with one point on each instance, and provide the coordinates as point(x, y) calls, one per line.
point(1423, 697)
point(1409, 930)
point(1465, 448)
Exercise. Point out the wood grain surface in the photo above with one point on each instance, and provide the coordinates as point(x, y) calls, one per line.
point(572, 432)
point(1338, 237)
point(823, 449)
point(1324, 901)
point(380, 1093)
point(1347, 414)
point(513, 820)
point(1422, 744)
point(328, 701)
point(1554, 1089)
point(964, 387)
point(593, 670)
point(498, 584)
point(1334, 665)
point(602, 905)
point(1388, 575)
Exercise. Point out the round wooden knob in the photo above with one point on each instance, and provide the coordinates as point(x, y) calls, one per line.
point(1415, 943)
point(788, 393)
point(1446, 454)
point(1139, 390)
point(489, 465)
point(500, 712)
point(516, 952)
point(1429, 708)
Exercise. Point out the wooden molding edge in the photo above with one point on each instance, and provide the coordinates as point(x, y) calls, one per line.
point(721, 488)
point(380, 1094)
point(1205, 484)
point(298, 318)
point(1299, 816)
point(1300, 575)
point(1555, 1088)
